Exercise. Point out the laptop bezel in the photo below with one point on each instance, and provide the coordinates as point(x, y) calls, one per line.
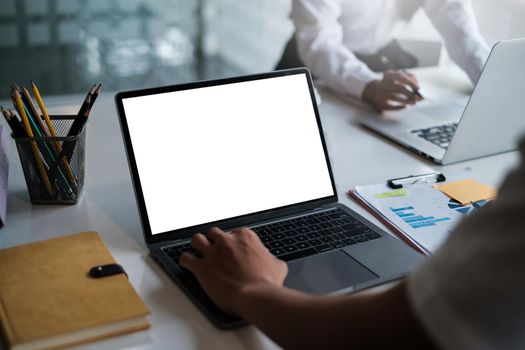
point(243, 220)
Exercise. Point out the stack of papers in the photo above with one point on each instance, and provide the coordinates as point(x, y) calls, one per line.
point(421, 214)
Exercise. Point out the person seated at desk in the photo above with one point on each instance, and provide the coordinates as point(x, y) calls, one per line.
point(345, 43)
point(468, 295)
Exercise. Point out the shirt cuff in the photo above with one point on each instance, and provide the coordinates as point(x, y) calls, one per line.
point(355, 85)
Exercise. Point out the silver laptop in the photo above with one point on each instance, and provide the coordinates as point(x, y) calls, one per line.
point(490, 122)
point(249, 151)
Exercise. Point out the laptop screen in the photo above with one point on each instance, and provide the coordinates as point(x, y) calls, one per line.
point(217, 152)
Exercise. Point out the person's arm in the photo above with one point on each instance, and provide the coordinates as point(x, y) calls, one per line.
point(455, 21)
point(320, 45)
point(243, 278)
point(362, 321)
point(319, 36)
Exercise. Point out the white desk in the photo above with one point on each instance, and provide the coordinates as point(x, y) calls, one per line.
point(108, 206)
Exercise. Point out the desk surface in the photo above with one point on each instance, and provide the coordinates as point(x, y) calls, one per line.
point(108, 206)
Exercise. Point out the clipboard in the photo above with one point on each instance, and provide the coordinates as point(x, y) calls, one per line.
point(419, 214)
point(413, 179)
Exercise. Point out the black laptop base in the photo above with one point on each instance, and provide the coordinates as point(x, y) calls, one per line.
point(288, 239)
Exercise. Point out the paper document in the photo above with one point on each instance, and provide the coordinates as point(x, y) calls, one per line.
point(419, 213)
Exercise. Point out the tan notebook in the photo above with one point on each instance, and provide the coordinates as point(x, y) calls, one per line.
point(48, 300)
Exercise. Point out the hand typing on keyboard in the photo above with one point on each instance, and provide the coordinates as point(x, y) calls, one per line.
point(228, 263)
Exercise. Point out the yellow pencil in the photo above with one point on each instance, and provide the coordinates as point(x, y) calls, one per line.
point(53, 132)
point(34, 148)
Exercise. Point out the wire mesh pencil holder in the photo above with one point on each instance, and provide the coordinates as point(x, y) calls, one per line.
point(54, 166)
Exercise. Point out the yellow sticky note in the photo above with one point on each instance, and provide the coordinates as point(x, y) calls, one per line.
point(467, 191)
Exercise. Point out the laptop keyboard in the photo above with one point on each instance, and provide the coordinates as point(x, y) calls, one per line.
point(438, 135)
point(307, 235)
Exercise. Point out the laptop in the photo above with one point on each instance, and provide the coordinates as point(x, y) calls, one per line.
point(491, 121)
point(249, 151)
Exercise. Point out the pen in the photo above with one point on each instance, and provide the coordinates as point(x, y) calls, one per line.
point(76, 128)
point(418, 94)
point(86, 103)
point(81, 118)
point(14, 123)
point(17, 124)
point(390, 65)
point(95, 95)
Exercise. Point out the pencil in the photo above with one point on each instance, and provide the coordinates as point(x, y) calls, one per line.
point(53, 132)
point(15, 87)
point(26, 97)
point(47, 154)
point(14, 103)
point(34, 148)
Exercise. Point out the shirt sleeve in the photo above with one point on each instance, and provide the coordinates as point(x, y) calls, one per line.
point(470, 293)
point(455, 21)
point(320, 44)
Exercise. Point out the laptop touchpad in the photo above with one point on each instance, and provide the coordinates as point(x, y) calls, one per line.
point(326, 273)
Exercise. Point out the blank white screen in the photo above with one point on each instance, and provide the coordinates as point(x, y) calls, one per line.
point(218, 152)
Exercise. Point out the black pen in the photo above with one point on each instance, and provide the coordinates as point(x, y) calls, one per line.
point(18, 127)
point(390, 65)
point(81, 118)
point(95, 95)
point(14, 123)
point(418, 94)
point(87, 101)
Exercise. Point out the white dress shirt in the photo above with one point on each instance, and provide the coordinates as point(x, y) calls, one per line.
point(329, 31)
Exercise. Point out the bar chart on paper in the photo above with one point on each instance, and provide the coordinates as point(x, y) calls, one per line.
point(419, 213)
point(417, 220)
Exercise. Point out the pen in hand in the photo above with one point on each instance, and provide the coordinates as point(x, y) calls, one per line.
point(392, 66)
point(418, 94)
